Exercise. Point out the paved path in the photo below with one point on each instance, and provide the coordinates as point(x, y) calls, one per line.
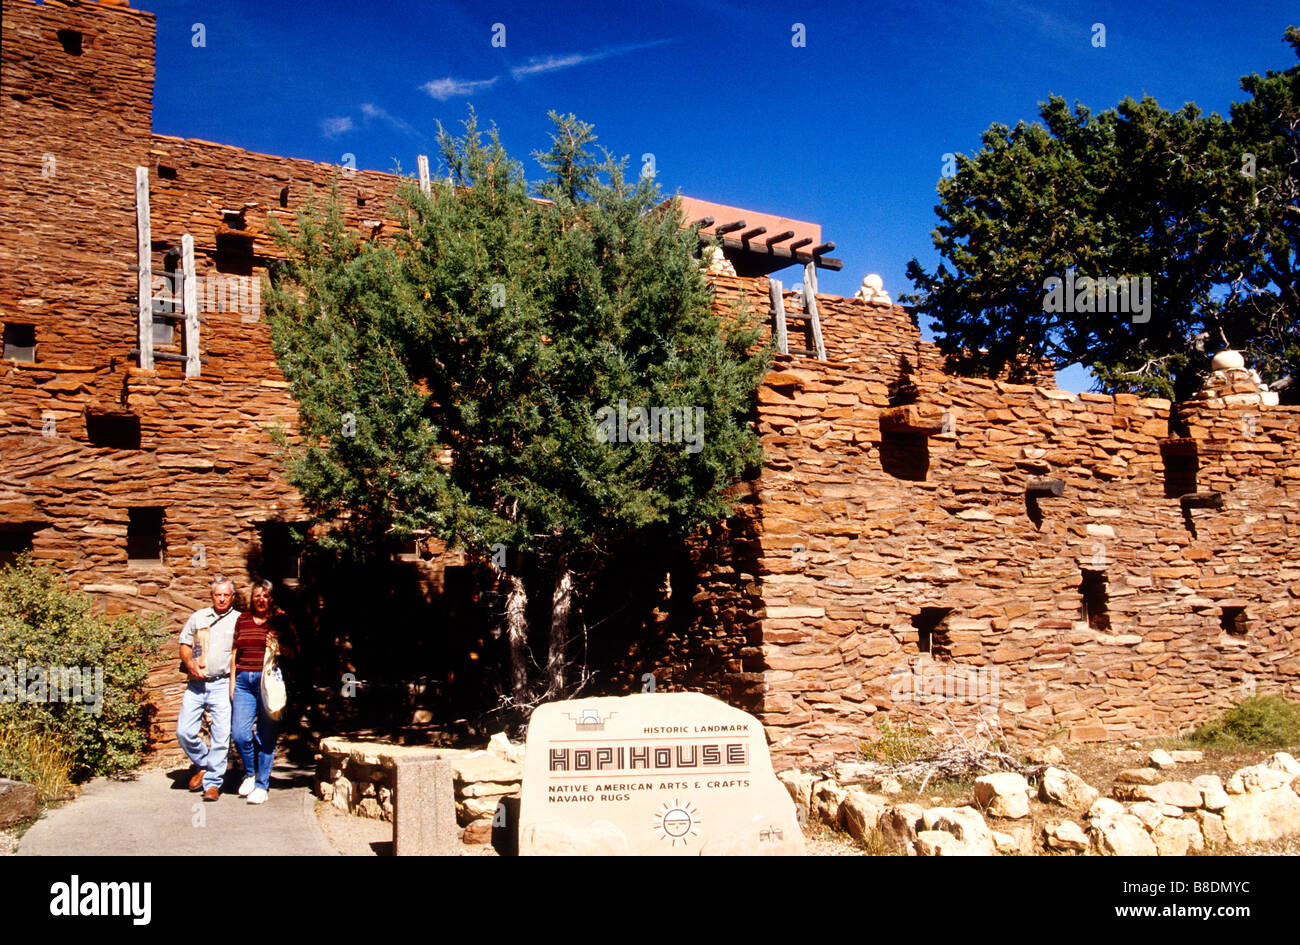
point(155, 815)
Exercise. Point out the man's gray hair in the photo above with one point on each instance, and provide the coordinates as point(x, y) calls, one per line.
point(222, 579)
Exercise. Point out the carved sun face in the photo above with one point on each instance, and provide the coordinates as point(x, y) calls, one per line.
point(677, 822)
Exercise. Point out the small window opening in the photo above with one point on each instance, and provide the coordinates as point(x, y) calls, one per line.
point(71, 42)
point(166, 173)
point(234, 254)
point(1181, 467)
point(1096, 601)
point(932, 632)
point(119, 431)
point(144, 536)
point(279, 557)
point(19, 342)
point(14, 541)
point(1233, 620)
point(284, 196)
point(905, 455)
point(409, 550)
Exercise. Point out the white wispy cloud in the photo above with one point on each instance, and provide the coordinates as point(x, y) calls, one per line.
point(333, 127)
point(542, 64)
point(374, 111)
point(443, 89)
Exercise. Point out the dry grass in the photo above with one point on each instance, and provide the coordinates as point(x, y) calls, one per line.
point(36, 758)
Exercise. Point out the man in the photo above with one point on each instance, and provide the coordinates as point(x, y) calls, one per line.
point(209, 687)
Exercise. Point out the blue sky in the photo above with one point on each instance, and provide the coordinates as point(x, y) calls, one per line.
point(848, 130)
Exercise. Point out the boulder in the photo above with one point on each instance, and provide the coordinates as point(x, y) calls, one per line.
point(942, 843)
point(800, 785)
point(1067, 789)
point(479, 831)
point(1151, 815)
point(964, 823)
point(1005, 843)
point(1211, 828)
point(1066, 835)
point(1138, 776)
point(1186, 756)
point(1281, 761)
point(861, 812)
point(891, 786)
point(1046, 755)
point(1105, 807)
point(1261, 816)
point(18, 802)
point(1176, 835)
point(1213, 796)
point(1175, 793)
point(1257, 779)
point(1161, 759)
point(826, 801)
point(1005, 794)
point(899, 824)
point(1122, 835)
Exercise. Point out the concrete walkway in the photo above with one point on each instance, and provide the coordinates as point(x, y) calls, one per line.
point(156, 815)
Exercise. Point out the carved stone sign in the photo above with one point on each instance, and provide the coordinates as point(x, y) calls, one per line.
point(676, 774)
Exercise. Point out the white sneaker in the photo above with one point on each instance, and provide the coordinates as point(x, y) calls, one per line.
point(246, 788)
point(258, 796)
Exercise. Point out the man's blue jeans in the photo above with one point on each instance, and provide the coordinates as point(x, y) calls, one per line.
point(249, 707)
point(215, 697)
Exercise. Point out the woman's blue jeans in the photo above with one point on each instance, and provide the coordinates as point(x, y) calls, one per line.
point(248, 708)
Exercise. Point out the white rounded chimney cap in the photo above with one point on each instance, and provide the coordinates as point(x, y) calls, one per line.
point(1228, 361)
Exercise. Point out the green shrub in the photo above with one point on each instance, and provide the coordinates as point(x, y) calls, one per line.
point(45, 624)
point(1260, 722)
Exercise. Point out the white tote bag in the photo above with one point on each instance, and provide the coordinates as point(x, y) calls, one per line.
point(274, 697)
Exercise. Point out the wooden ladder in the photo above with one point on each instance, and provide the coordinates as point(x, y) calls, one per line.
point(809, 316)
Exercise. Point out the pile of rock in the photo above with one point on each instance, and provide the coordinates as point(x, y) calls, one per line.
point(358, 778)
point(1259, 803)
point(1230, 384)
point(873, 290)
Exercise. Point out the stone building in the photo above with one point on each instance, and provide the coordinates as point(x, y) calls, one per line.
point(917, 542)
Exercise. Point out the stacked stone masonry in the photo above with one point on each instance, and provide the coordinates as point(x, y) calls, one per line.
point(893, 521)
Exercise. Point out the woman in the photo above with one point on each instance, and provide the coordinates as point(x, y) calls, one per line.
point(253, 630)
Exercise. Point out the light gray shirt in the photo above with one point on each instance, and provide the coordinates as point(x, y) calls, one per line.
point(221, 637)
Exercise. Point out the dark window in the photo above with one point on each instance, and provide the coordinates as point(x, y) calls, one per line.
point(1233, 620)
point(71, 42)
point(931, 632)
point(19, 342)
point(234, 254)
point(1096, 602)
point(905, 455)
point(280, 546)
point(144, 536)
point(14, 540)
point(119, 431)
point(1181, 467)
point(166, 173)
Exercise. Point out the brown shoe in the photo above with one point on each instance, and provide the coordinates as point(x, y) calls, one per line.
point(196, 780)
point(211, 794)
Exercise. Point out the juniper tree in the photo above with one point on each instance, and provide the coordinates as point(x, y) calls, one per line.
point(1134, 191)
point(511, 332)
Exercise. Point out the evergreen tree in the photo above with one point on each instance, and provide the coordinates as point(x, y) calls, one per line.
point(514, 333)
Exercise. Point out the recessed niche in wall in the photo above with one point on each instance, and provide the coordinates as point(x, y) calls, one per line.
point(932, 633)
point(1181, 466)
point(166, 173)
point(19, 342)
point(279, 552)
point(905, 455)
point(1095, 600)
point(234, 254)
point(14, 540)
point(71, 41)
point(1232, 619)
point(119, 431)
point(144, 535)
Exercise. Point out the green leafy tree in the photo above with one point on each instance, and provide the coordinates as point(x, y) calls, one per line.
point(1135, 191)
point(503, 332)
